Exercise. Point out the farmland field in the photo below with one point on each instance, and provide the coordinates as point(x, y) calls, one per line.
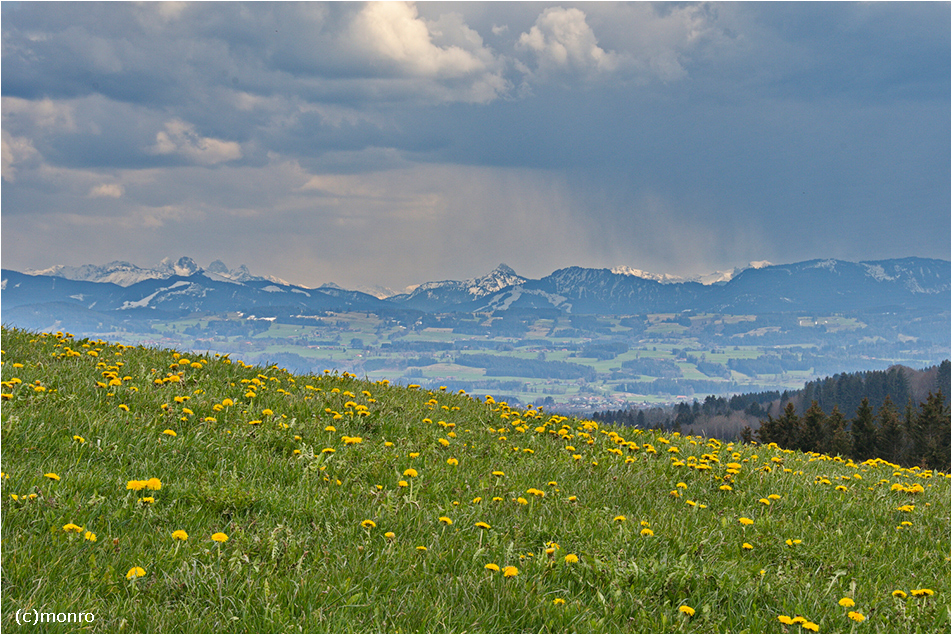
point(714, 354)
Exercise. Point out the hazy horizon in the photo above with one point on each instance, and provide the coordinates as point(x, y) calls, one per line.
point(394, 144)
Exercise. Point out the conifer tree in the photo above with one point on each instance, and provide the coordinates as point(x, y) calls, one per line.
point(916, 439)
point(838, 440)
point(788, 428)
point(863, 432)
point(812, 430)
point(935, 425)
point(889, 441)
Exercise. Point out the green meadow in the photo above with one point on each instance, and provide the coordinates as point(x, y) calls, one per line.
point(144, 490)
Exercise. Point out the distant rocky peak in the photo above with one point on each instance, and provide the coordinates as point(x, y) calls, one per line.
point(499, 278)
point(184, 266)
point(217, 267)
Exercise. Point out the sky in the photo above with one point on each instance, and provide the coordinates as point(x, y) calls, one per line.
point(396, 143)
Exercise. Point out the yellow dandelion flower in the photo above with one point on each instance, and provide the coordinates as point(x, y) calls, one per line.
point(135, 572)
point(123, 407)
point(403, 484)
point(446, 520)
point(785, 619)
point(68, 527)
point(510, 572)
point(483, 525)
point(52, 476)
point(558, 601)
point(410, 473)
point(219, 537)
point(856, 616)
point(154, 484)
point(747, 546)
point(147, 500)
point(498, 473)
point(745, 521)
point(522, 501)
point(452, 461)
point(421, 548)
point(90, 536)
point(179, 534)
point(390, 536)
point(571, 559)
point(846, 602)
point(647, 532)
point(922, 592)
point(811, 626)
point(619, 519)
point(170, 433)
point(78, 439)
point(492, 566)
point(368, 524)
point(687, 610)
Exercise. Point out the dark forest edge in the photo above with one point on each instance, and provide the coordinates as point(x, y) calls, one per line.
point(887, 423)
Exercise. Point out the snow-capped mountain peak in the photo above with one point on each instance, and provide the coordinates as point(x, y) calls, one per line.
point(126, 274)
point(499, 278)
point(715, 277)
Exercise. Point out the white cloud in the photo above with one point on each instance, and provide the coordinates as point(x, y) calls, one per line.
point(180, 138)
point(394, 31)
point(395, 40)
point(43, 113)
point(107, 190)
point(13, 151)
point(561, 39)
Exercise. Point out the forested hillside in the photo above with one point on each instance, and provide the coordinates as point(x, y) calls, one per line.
point(900, 415)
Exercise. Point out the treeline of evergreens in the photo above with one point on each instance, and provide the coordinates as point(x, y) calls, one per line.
point(812, 419)
point(653, 367)
point(684, 416)
point(918, 436)
point(848, 390)
point(500, 366)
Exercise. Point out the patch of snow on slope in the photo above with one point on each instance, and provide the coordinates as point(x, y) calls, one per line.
point(144, 302)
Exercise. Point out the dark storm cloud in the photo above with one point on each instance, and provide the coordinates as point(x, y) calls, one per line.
point(668, 136)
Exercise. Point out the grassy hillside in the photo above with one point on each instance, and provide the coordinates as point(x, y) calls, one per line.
point(160, 493)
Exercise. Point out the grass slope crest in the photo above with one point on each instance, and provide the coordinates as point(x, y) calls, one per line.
point(166, 492)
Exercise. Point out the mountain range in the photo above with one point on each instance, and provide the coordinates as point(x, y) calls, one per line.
point(121, 291)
